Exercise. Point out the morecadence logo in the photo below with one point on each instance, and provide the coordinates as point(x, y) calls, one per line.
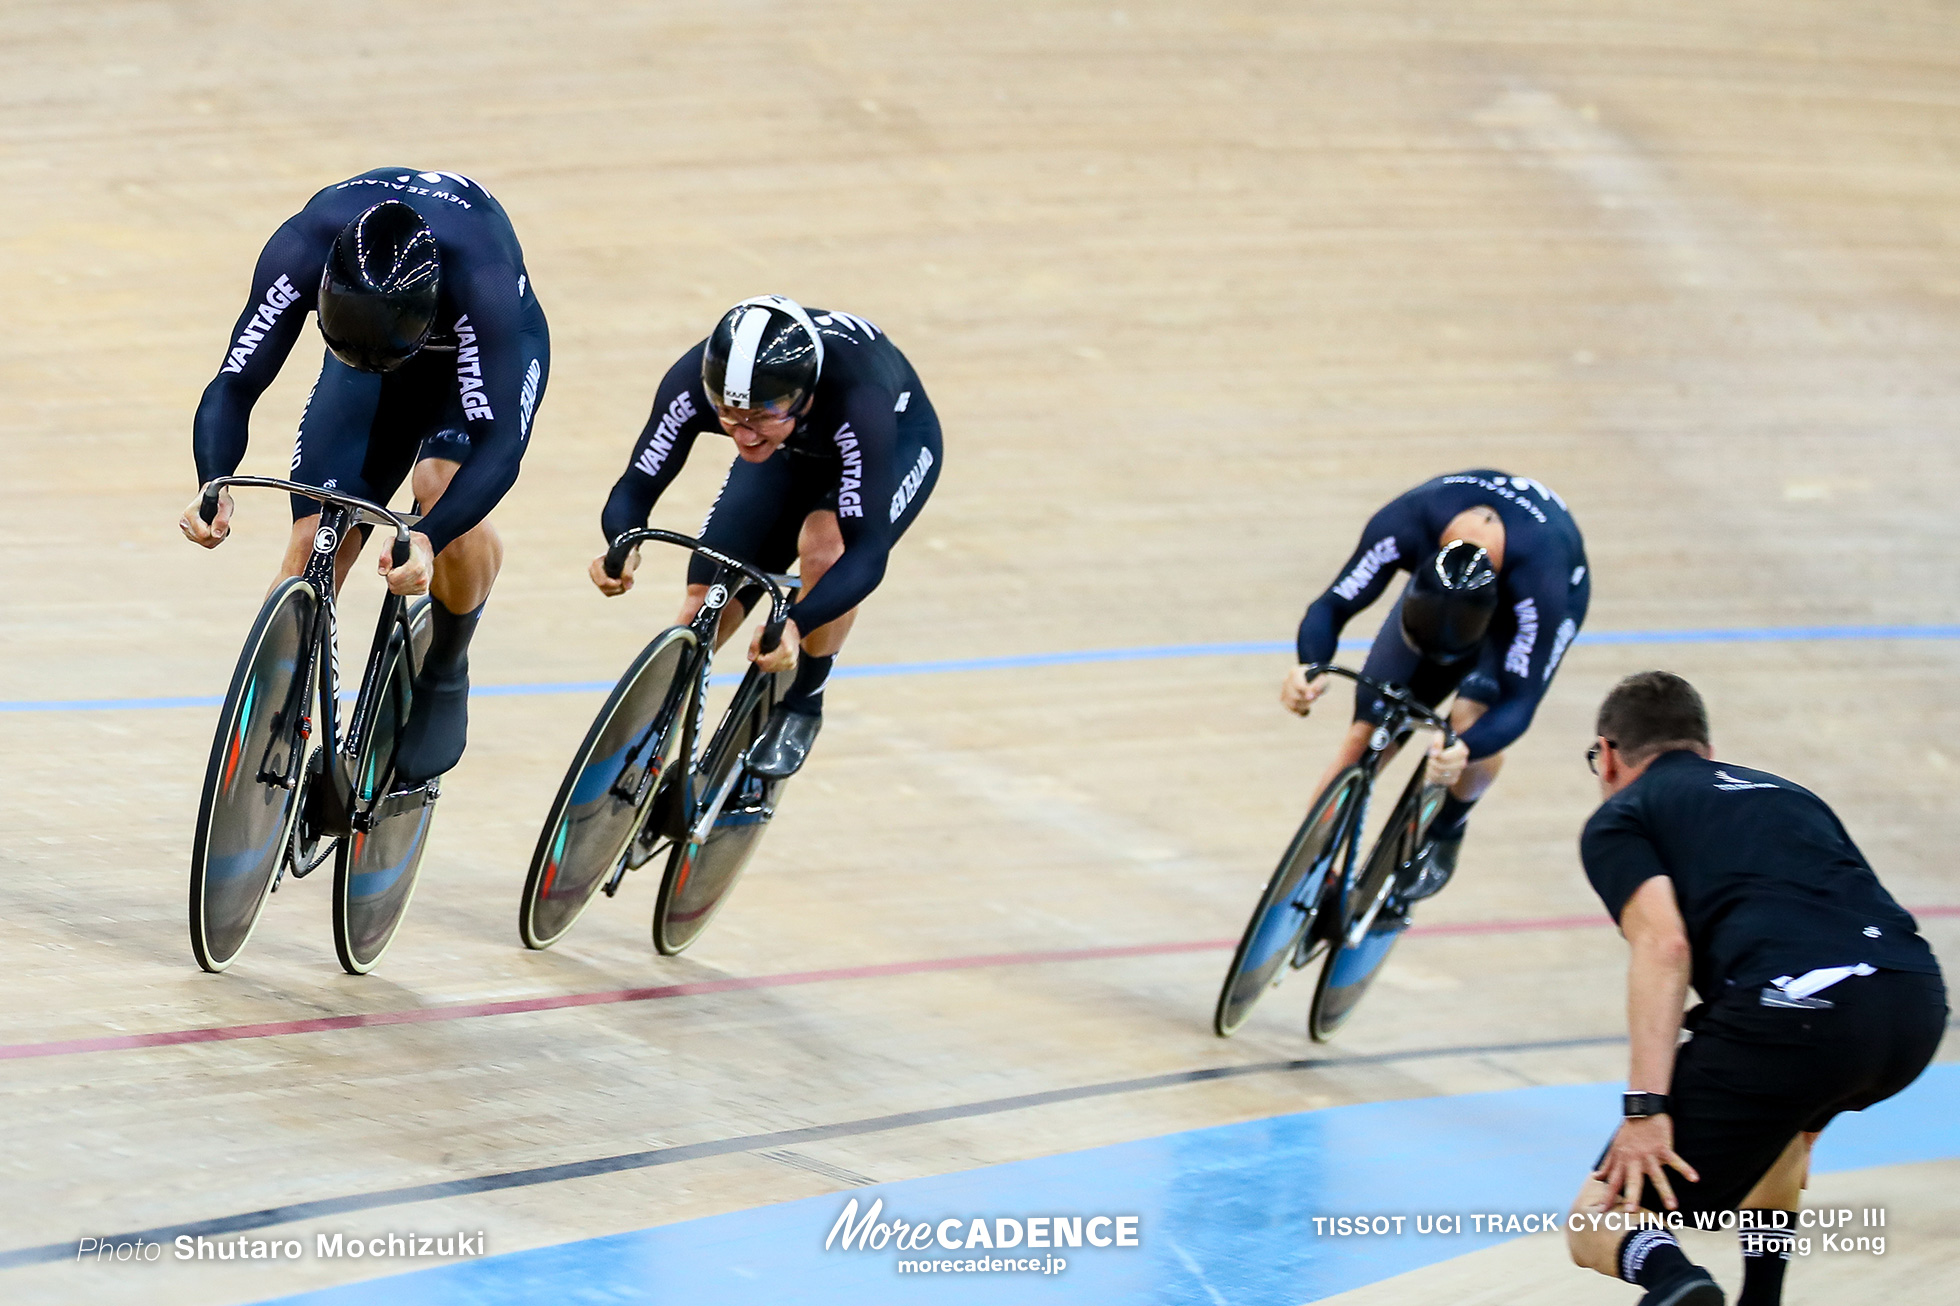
point(980, 1239)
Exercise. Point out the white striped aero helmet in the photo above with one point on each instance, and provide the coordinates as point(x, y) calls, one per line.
point(764, 353)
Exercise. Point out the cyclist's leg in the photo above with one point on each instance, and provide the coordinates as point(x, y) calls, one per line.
point(1390, 662)
point(754, 518)
point(820, 542)
point(430, 415)
point(1480, 691)
point(335, 449)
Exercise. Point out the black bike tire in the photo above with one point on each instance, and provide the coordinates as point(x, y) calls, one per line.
point(201, 948)
point(400, 665)
point(1280, 887)
point(561, 804)
point(1406, 825)
point(722, 754)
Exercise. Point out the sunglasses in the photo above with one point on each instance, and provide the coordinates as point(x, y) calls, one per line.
point(1592, 754)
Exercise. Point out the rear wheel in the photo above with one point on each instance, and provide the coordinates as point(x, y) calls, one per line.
point(375, 866)
point(1282, 925)
point(244, 822)
point(1374, 916)
point(701, 875)
point(604, 798)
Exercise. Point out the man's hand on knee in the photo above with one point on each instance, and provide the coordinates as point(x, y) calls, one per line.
point(413, 576)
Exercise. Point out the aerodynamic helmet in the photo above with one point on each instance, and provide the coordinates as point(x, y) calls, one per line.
point(1449, 601)
point(379, 290)
point(764, 353)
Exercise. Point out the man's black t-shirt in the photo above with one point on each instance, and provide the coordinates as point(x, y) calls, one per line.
point(1768, 880)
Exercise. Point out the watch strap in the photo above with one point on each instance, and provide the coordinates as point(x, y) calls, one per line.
point(1638, 1106)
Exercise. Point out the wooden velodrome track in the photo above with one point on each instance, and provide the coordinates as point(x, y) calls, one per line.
point(1195, 287)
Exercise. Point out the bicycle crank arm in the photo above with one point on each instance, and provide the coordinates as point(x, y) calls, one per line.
point(705, 825)
point(1359, 930)
point(394, 804)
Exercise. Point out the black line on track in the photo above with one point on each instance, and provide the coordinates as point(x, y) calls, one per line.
point(603, 1165)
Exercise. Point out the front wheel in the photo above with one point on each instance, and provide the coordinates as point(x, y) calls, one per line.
point(1374, 915)
point(700, 874)
point(604, 797)
point(244, 819)
point(1295, 897)
point(375, 866)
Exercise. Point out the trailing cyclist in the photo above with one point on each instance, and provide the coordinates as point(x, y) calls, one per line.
point(837, 449)
point(1498, 588)
point(437, 358)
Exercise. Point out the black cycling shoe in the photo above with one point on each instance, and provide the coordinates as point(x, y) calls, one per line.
point(1438, 865)
point(784, 744)
point(438, 726)
point(1697, 1289)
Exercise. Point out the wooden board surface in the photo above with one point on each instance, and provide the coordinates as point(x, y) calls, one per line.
point(1195, 288)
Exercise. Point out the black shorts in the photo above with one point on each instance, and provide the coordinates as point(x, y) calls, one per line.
point(1753, 1077)
point(760, 511)
point(362, 431)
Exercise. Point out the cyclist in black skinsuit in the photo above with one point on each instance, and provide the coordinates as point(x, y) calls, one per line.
point(437, 358)
point(1499, 672)
point(837, 449)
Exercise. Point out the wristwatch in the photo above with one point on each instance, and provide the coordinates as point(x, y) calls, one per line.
point(1638, 1106)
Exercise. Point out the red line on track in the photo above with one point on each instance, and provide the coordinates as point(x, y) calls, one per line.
point(733, 984)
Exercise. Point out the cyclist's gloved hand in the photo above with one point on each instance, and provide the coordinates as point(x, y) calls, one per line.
point(1297, 693)
point(413, 576)
point(1446, 764)
point(784, 658)
point(609, 587)
point(193, 525)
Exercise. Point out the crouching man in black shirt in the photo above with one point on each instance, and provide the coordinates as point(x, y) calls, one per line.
point(1817, 993)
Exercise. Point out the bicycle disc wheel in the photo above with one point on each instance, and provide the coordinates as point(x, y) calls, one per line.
point(242, 822)
point(1288, 909)
point(604, 796)
point(375, 868)
point(1354, 962)
point(700, 876)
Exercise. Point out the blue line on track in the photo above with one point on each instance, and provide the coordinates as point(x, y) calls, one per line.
point(1147, 653)
point(1226, 1214)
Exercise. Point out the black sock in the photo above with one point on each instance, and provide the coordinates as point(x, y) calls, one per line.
point(1451, 817)
point(449, 642)
point(1653, 1259)
point(1765, 1256)
point(806, 691)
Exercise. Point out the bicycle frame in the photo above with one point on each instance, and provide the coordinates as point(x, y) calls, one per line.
point(1403, 713)
point(340, 812)
point(697, 813)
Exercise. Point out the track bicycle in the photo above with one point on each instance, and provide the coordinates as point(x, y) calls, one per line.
point(647, 778)
point(1324, 898)
point(278, 800)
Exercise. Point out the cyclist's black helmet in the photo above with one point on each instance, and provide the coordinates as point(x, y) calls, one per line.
point(764, 353)
point(1448, 605)
point(379, 290)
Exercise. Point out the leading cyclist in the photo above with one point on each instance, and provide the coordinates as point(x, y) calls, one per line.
point(1498, 588)
point(437, 358)
point(837, 449)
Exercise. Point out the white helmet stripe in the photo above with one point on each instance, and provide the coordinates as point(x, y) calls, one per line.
point(784, 304)
point(741, 357)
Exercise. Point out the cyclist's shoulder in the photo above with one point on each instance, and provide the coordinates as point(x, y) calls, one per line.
point(465, 217)
point(857, 352)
